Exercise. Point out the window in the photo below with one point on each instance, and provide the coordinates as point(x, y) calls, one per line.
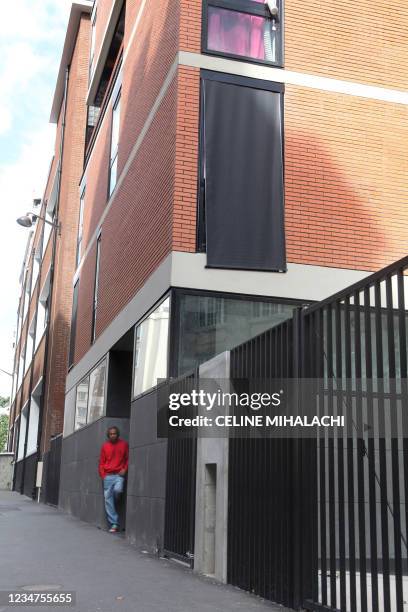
point(81, 404)
point(50, 210)
point(151, 348)
point(20, 367)
point(26, 294)
point(92, 50)
point(22, 433)
point(96, 288)
point(90, 396)
point(97, 383)
point(36, 270)
point(113, 162)
point(43, 310)
point(208, 325)
point(244, 29)
point(73, 325)
point(33, 424)
point(80, 227)
point(30, 345)
point(241, 217)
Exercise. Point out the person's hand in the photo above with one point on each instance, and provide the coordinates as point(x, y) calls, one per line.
point(122, 472)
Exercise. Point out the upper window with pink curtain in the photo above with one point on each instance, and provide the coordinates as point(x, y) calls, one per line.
point(245, 29)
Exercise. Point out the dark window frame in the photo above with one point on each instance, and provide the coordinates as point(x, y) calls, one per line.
point(178, 292)
point(252, 8)
point(74, 314)
point(80, 232)
point(201, 242)
point(113, 155)
point(96, 287)
point(167, 294)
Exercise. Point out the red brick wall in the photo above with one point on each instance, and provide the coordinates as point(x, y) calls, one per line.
point(96, 194)
point(72, 165)
point(85, 304)
point(345, 158)
point(147, 64)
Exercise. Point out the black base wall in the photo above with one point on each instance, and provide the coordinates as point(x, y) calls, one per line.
point(29, 467)
point(81, 488)
point(147, 477)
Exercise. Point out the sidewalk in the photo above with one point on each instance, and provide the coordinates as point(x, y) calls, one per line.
point(42, 546)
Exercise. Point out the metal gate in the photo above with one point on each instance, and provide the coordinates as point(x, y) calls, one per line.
point(179, 521)
point(322, 523)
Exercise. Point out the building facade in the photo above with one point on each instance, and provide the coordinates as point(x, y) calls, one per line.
point(44, 311)
point(238, 159)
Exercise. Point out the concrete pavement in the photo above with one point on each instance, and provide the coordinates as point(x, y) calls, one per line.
point(43, 546)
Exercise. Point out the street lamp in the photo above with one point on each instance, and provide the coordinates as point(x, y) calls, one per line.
point(30, 218)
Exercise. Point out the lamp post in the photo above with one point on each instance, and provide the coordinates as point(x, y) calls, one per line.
point(30, 218)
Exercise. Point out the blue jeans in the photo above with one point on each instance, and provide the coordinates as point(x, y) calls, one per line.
point(112, 488)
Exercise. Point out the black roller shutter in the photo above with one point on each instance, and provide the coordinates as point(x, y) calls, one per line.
point(242, 170)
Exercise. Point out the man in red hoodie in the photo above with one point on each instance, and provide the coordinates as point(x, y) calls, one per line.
point(113, 466)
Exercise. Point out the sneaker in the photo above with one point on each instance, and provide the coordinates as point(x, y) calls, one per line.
point(114, 529)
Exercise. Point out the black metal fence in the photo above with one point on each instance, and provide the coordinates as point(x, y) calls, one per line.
point(261, 500)
point(357, 342)
point(323, 523)
point(179, 522)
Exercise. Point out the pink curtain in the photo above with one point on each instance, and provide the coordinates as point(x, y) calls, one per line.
point(236, 33)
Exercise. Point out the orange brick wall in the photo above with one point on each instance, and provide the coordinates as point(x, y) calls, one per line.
point(186, 179)
point(346, 164)
point(348, 40)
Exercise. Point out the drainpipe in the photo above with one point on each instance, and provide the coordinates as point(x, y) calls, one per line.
point(52, 270)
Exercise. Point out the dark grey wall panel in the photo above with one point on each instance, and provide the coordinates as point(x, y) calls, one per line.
point(81, 490)
point(147, 477)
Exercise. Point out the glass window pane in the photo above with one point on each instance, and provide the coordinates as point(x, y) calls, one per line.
point(115, 128)
point(81, 406)
point(151, 349)
point(97, 392)
point(210, 325)
point(241, 34)
point(112, 178)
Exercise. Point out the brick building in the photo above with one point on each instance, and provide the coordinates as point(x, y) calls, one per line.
point(44, 312)
point(240, 159)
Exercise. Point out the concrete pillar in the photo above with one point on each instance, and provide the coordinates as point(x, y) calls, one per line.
point(210, 552)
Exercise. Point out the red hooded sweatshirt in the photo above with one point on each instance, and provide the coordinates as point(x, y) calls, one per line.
point(114, 457)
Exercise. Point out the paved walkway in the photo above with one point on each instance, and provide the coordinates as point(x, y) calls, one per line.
point(40, 545)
